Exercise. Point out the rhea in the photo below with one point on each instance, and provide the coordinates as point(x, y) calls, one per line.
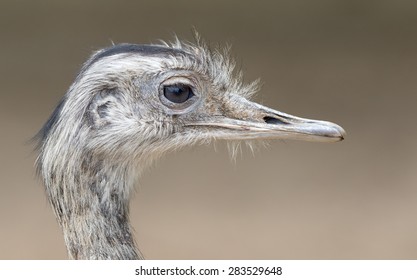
point(129, 105)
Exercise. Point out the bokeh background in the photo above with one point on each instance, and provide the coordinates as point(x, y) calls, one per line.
point(352, 62)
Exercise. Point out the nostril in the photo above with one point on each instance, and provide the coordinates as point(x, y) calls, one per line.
point(272, 120)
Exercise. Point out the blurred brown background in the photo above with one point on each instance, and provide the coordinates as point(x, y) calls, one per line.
point(351, 62)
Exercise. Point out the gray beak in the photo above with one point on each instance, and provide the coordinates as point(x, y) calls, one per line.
point(248, 120)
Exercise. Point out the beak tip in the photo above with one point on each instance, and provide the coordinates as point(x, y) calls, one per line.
point(339, 133)
point(342, 133)
point(327, 131)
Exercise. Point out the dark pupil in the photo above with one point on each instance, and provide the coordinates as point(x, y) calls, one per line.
point(178, 93)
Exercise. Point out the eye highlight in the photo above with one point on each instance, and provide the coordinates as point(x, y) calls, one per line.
point(178, 93)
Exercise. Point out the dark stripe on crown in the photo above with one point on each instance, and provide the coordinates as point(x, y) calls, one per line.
point(146, 50)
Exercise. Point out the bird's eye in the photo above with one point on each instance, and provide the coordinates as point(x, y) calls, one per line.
point(178, 93)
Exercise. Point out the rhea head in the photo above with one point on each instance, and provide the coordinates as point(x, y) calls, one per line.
point(128, 105)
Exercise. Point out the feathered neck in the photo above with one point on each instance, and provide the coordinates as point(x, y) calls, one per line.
point(91, 203)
